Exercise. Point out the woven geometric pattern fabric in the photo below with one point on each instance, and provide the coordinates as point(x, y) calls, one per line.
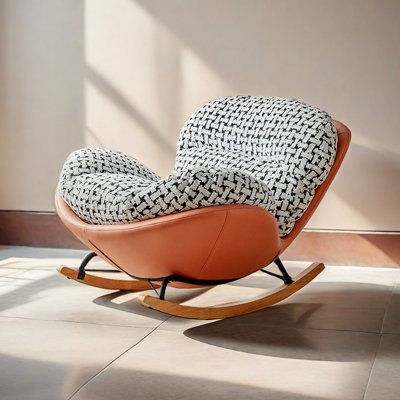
point(287, 144)
point(108, 187)
point(263, 151)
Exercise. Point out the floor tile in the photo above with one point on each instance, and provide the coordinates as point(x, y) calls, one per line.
point(318, 344)
point(392, 318)
point(378, 276)
point(345, 273)
point(38, 291)
point(7, 271)
point(214, 362)
point(39, 252)
point(345, 294)
point(45, 360)
point(385, 376)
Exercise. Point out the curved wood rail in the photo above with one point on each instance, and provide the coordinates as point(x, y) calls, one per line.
point(104, 283)
point(273, 297)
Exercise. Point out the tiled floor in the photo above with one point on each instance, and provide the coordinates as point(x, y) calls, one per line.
point(338, 338)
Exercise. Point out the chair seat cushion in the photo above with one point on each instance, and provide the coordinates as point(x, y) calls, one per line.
point(108, 187)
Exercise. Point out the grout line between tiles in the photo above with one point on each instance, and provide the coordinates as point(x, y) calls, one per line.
point(112, 361)
point(173, 330)
point(50, 269)
point(390, 334)
point(380, 341)
point(80, 322)
point(372, 366)
point(387, 308)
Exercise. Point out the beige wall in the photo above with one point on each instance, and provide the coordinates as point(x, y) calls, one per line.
point(140, 67)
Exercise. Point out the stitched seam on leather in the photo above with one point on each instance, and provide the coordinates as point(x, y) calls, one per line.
point(108, 259)
point(134, 225)
point(105, 257)
point(215, 245)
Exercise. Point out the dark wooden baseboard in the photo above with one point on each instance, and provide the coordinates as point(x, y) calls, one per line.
point(25, 228)
point(346, 248)
point(22, 228)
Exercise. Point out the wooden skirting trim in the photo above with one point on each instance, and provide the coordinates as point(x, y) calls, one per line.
point(346, 248)
point(22, 228)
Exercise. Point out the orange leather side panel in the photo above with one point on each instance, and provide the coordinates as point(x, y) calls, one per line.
point(222, 242)
point(177, 247)
point(249, 241)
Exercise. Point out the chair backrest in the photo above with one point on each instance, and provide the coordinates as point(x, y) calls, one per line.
point(344, 137)
point(289, 145)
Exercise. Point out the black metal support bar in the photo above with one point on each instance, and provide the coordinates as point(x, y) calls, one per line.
point(273, 274)
point(163, 287)
point(85, 261)
point(153, 287)
point(286, 277)
point(102, 270)
point(176, 278)
point(201, 282)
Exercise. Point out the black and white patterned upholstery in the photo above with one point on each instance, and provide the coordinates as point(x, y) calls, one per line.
point(264, 151)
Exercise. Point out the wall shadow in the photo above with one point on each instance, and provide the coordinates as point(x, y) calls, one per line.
point(124, 104)
point(259, 47)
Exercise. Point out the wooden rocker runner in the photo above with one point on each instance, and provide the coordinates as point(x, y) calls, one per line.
point(232, 216)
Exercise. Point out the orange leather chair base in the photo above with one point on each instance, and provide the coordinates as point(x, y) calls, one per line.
point(212, 243)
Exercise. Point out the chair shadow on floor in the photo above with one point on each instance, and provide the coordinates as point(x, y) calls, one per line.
point(131, 305)
point(331, 321)
point(334, 321)
point(56, 379)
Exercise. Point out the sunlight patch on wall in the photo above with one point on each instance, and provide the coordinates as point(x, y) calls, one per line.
point(142, 83)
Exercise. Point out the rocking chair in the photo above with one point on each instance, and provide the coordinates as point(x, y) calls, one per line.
point(250, 171)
